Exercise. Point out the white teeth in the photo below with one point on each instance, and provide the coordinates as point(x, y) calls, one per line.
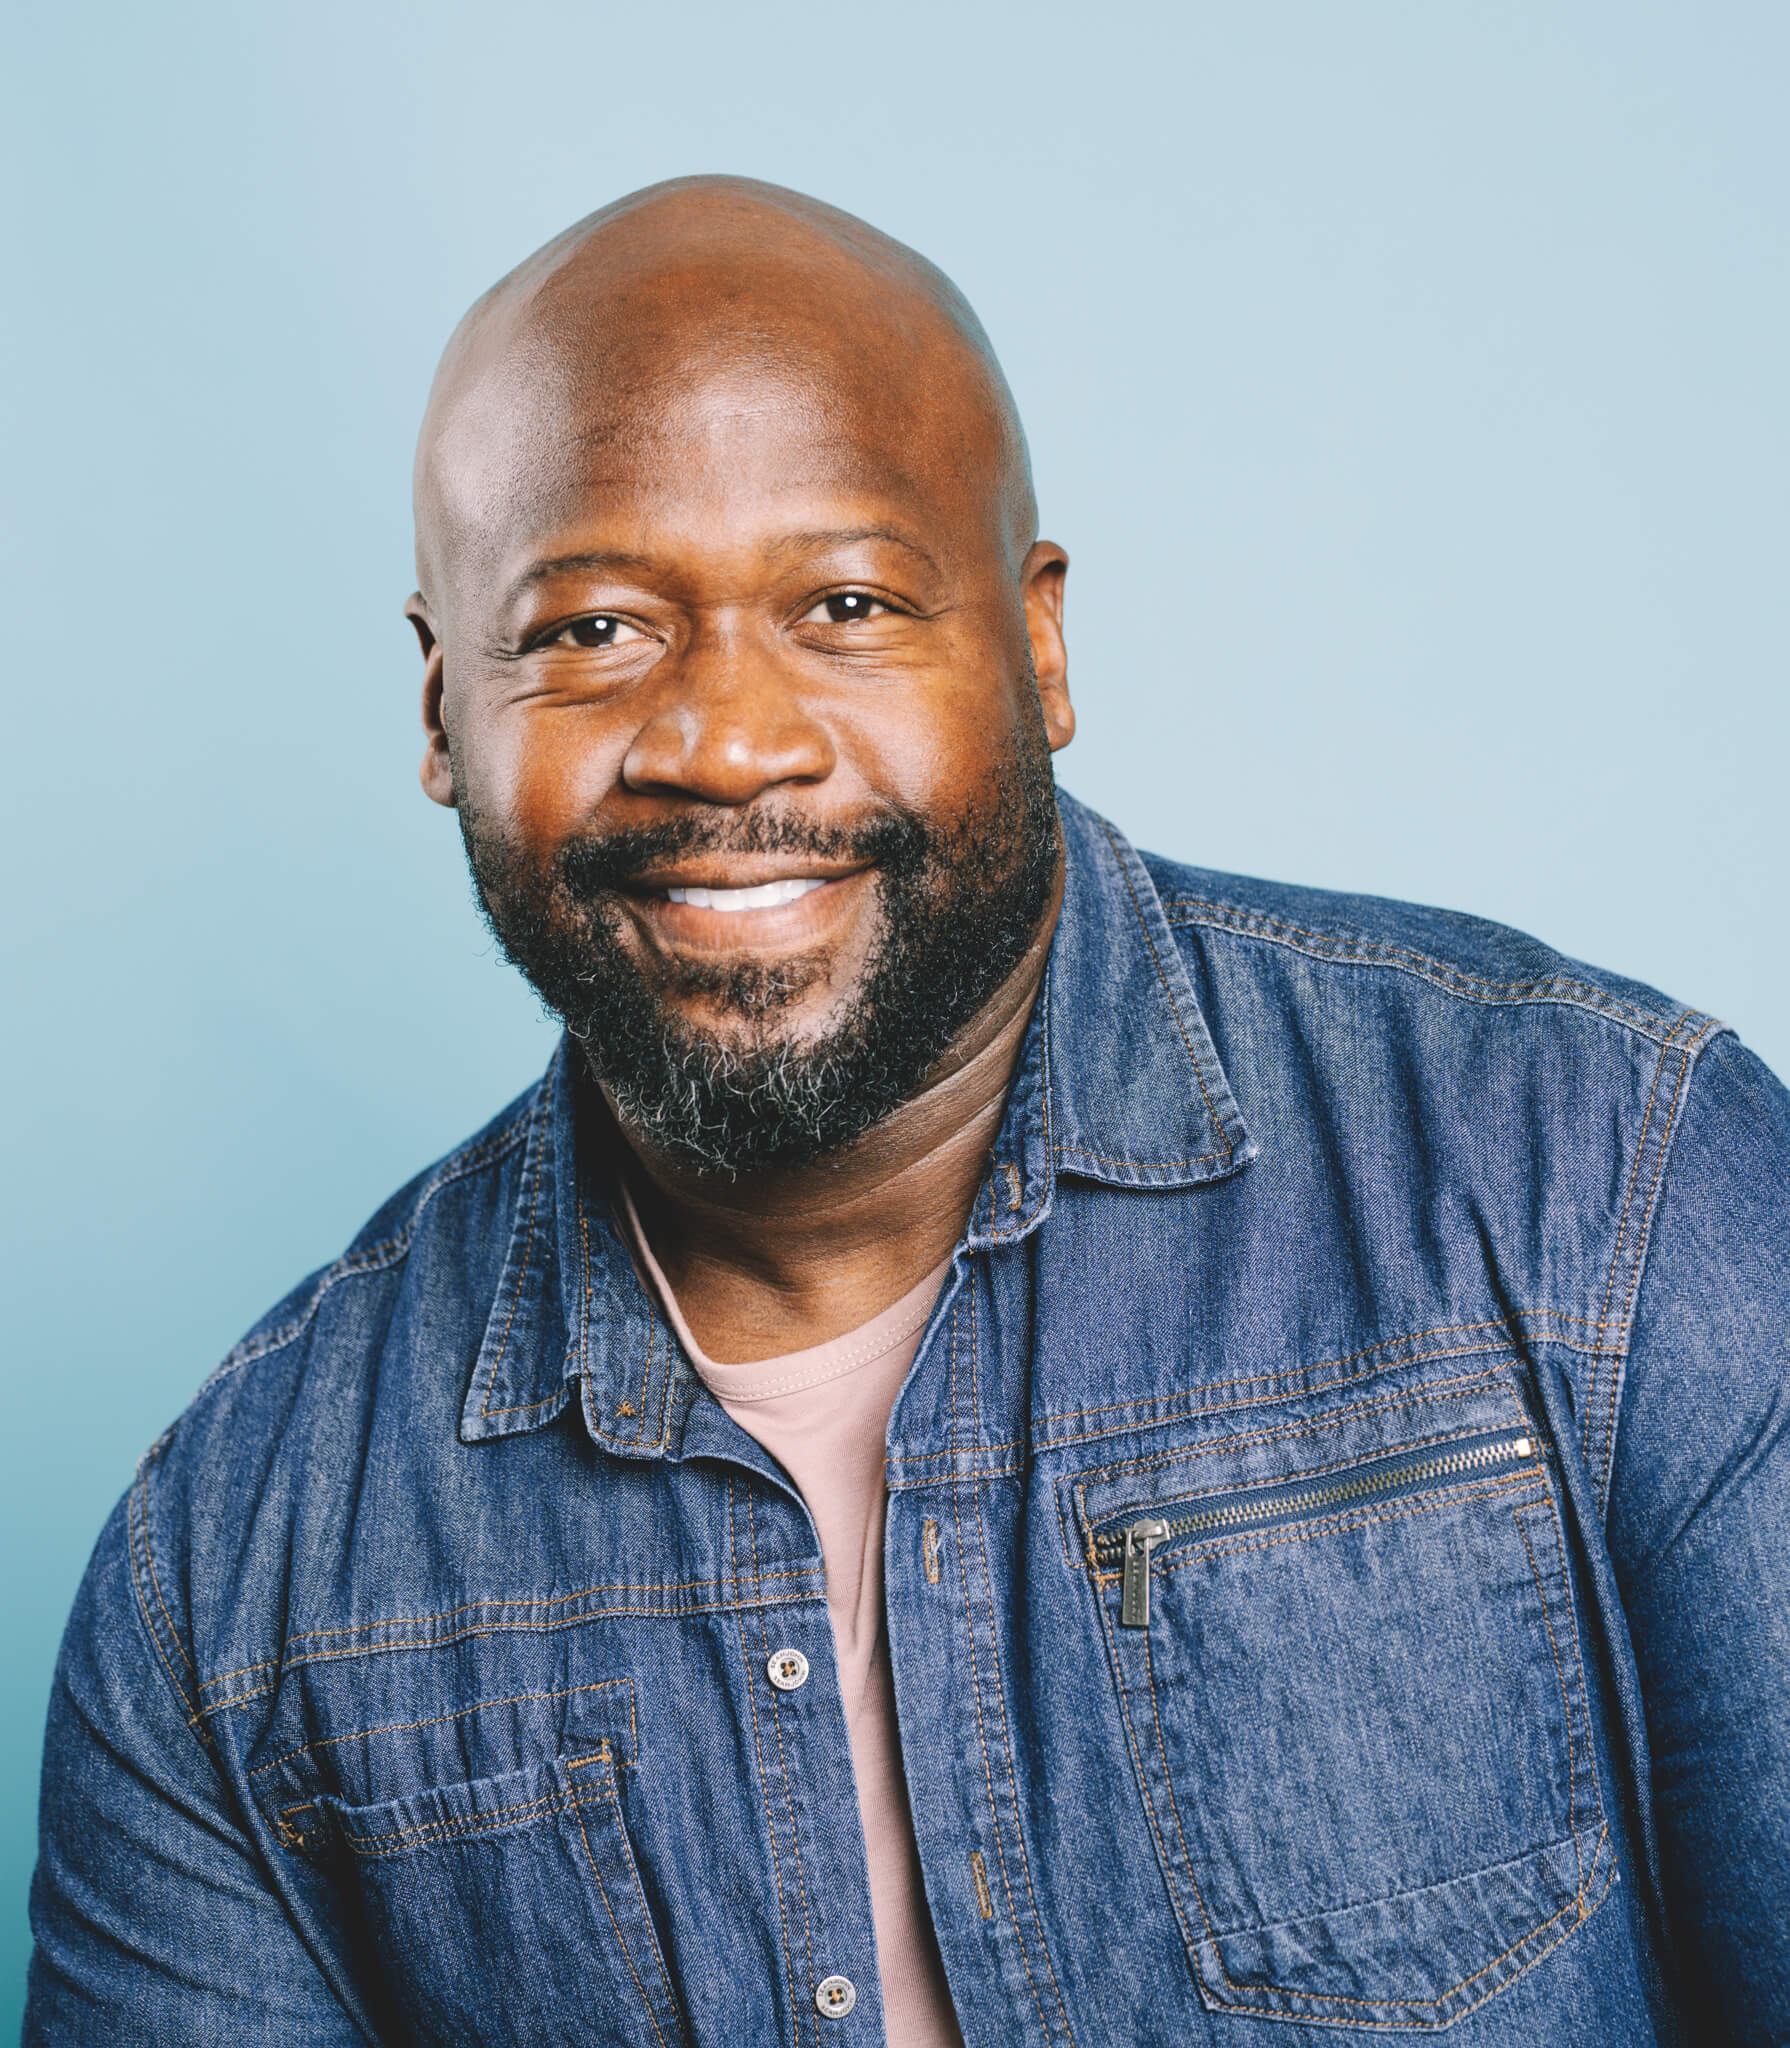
point(767, 896)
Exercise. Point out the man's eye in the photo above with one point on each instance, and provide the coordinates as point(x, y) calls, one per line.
point(846, 608)
point(601, 629)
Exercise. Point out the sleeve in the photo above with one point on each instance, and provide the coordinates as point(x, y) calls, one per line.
point(154, 1918)
point(1699, 1530)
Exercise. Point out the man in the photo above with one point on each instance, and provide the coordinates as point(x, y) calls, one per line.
point(1018, 1443)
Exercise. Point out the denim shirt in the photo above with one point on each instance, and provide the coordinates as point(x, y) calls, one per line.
point(1338, 1563)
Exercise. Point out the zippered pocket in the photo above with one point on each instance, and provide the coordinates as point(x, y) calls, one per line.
point(1129, 1541)
point(1348, 1678)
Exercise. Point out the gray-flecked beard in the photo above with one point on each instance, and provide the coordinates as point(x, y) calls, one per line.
point(959, 906)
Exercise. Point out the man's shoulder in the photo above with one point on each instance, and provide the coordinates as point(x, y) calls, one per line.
point(441, 1238)
point(1411, 950)
point(316, 1406)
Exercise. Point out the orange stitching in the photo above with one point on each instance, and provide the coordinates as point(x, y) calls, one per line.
point(1168, 1779)
point(295, 1838)
point(646, 1371)
point(1622, 1227)
point(1351, 1358)
point(620, 1938)
point(155, 1578)
point(1224, 1137)
point(1025, 1223)
point(1149, 1805)
point(975, 1687)
point(499, 1628)
point(241, 1671)
point(1644, 1232)
point(554, 1600)
point(1572, 1779)
point(1363, 949)
point(523, 1407)
point(482, 1606)
point(764, 1789)
point(403, 1727)
point(795, 1839)
point(1421, 2004)
point(1578, 1651)
point(627, 1847)
point(148, 1620)
point(1436, 1394)
point(441, 1830)
point(979, 1872)
point(1000, 1694)
point(1403, 2026)
point(1141, 1165)
point(503, 1343)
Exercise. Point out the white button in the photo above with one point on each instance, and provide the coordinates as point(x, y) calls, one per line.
point(787, 1670)
point(835, 1996)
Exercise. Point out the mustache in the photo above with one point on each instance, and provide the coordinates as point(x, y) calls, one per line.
point(892, 838)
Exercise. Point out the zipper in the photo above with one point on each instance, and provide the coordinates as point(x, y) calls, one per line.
point(1132, 1545)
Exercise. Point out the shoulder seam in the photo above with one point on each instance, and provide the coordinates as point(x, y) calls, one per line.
point(1698, 1034)
point(1358, 950)
point(374, 1258)
point(137, 1533)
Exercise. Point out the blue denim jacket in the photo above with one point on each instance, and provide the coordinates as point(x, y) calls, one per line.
point(1338, 1554)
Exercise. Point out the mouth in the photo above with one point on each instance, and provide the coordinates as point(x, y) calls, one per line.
point(758, 896)
point(706, 909)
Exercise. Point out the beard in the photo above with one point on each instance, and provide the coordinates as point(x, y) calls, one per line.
point(960, 902)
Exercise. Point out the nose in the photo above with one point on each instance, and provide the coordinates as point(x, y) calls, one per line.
point(726, 722)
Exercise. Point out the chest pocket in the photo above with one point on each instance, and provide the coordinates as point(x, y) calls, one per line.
point(503, 1907)
point(1348, 1674)
point(503, 1910)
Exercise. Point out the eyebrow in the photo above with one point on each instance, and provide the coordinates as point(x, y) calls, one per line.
point(839, 537)
point(560, 565)
point(785, 544)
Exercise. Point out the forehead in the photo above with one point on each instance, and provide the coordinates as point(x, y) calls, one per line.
point(735, 399)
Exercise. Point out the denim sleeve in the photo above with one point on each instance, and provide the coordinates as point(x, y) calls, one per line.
point(153, 1915)
point(1699, 1529)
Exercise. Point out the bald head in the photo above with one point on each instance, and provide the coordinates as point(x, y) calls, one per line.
point(729, 580)
point(671, 320)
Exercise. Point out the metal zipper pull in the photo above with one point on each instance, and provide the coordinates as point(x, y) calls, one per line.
point(1134, 1588)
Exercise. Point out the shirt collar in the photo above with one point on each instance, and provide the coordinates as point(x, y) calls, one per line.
point(1118, 1082)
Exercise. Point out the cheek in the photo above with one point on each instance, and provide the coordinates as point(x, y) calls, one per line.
point(941, 752)
point(538, 771)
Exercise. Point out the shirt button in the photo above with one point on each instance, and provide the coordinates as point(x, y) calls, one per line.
point(787, 1670)
point(835, 1996)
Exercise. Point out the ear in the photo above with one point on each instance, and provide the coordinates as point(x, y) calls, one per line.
point(437, 773)
point(1041, 585)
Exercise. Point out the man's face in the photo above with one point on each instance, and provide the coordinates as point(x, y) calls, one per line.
point(747, 709)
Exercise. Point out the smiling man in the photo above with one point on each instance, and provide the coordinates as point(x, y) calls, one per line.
point(1017, 1443)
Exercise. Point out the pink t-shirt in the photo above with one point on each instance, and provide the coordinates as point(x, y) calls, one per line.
point(823, 1414)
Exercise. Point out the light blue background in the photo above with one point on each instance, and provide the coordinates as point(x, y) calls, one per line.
point(1407, 381)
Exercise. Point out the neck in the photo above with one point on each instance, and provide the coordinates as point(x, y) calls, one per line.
point(781, 1259)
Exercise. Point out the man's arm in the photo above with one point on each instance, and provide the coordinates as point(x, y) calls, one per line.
point(154, 1919)
point(1699, 1527)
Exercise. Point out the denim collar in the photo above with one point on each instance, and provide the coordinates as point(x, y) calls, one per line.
point(1118, 1081)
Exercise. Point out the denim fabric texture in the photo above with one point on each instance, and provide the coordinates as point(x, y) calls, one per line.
point(1338, 1563)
